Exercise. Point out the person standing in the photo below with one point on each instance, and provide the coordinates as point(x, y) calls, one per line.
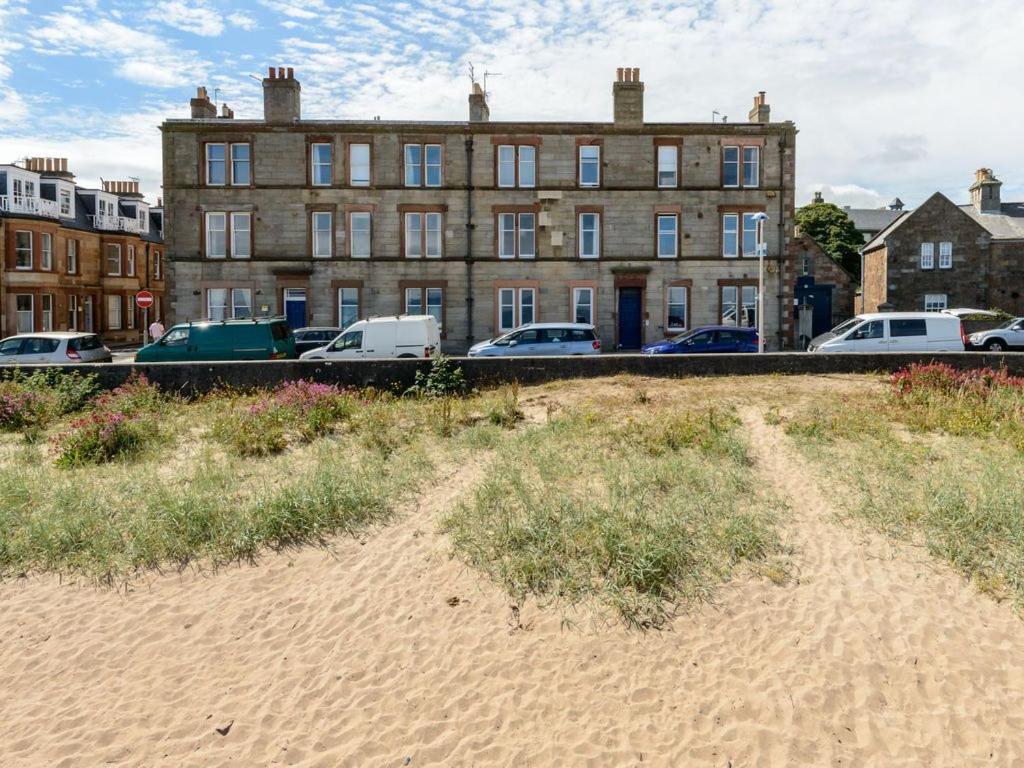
point(156, 330)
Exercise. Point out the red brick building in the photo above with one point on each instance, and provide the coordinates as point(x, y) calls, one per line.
point(73, 258)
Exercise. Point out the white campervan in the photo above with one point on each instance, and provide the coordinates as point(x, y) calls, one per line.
point(894, 332)
point(405, 336)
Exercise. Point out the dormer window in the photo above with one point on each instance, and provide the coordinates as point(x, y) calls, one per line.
point(65, 202)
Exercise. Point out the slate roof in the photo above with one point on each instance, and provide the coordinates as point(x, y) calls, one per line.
point(872, 219)
point(1008, 224)
point(83, 222)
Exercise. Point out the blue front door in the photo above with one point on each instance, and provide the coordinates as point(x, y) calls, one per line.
point(630, 318)
point(295, 307)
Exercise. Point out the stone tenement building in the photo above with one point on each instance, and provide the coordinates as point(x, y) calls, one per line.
point(643, 229)
point(944, 255)
point(74, 258)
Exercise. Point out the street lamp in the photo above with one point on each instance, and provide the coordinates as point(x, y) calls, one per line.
point(762, 250)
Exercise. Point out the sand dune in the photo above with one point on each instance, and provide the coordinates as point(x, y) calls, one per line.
point(361, 656)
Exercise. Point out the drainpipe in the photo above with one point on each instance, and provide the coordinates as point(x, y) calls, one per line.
point(470, 226)
point(782, 235)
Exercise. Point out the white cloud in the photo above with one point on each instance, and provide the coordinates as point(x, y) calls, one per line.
point(195, 16)
point(144, 58)
point(242, 21)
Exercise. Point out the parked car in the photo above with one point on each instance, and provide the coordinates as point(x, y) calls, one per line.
point(894, 332)
point(1008, 335)
point(256, 339)
point(708, 338)
point(53, 349)
point(307, 339)
point(379, 337)
point(542, 339)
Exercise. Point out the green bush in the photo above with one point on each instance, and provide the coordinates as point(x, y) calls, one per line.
point(100, 437)
point(444, 379)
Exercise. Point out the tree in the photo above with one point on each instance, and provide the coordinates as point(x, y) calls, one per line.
point(833, 230)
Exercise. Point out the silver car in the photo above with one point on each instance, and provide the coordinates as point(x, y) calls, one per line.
point(67, 348)
point(1009, 335)
point(542, 339)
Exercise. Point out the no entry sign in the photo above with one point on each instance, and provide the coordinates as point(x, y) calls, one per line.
point(144, 299)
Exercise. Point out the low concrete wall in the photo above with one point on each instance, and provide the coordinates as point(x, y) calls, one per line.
point(197, 378)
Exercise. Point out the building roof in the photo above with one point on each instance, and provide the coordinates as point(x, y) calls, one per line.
point(878, 239)
point(1008, 224)
point(872, 219)
point(82, 220)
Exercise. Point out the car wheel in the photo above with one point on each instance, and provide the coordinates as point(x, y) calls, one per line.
point(995, 345)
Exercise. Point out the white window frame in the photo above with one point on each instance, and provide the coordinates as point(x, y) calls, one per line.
point(226, 305)
point(342, 293)
point(668, 162)
point(353, 165)
point(427, 165)
point(526, 157)
point(577, 293)
point(945, 255)
point(750, 233)
point(734, 230)
point(222, 218)
point(236, 305)
point(106, 258)
point(669, 303)
point(235, 217)
point(936, 302)
point(46, 312)
point(223, 162)
point(18, 251)
point(20, 313)
point(158, 268)
point(130, 262)
point(115, 302)
point(353, 252)
point(516, 294)
point(46, 251)
point(315, 164)
point(737, 164)
point(740, 292)
point(596, 254)
point(927, 255)
point(674, 218)
point(590, 161)
point(414, 168)
point(521, 228)
point(72, 256)
point(129, 312)
point(506, 229)
point(73, 312)
point(414, 306)
point(234, 162)
point(316, 221)
point(507, 164)
point(755, 163)
point(433, 222)
point(413, 244)
point(64, 197)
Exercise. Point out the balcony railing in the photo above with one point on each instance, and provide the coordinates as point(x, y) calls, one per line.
point(32, 206)
point(116, 223)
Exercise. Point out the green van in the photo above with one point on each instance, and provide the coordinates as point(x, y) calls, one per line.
point(256, 339)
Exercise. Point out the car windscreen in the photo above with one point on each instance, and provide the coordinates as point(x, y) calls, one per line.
point(85, 343)
point(844, 327)
point(682, 337)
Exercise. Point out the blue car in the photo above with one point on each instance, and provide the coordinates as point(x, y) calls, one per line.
point(709, 338)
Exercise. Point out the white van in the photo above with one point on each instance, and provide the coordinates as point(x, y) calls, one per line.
point(405, 336)
point(894, 332)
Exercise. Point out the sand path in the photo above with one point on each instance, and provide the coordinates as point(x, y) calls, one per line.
point(354, 657)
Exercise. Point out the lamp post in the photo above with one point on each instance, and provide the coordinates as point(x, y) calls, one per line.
point(762, 248)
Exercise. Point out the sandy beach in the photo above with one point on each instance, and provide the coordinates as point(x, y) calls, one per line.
point(386, 652)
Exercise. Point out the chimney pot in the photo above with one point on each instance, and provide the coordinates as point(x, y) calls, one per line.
point(618, 75)
point(636, 74)
point(291, 73)
point(760, 112)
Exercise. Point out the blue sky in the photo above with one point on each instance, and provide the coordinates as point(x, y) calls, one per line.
point(899, 98)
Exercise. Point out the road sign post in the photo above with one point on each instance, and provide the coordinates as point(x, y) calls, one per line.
point(144, 300)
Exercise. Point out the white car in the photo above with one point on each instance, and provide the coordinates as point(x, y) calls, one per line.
point(382, 337)
point(894, 332)
point(53, 349)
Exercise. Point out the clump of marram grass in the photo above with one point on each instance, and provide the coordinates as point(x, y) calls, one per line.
point(503, 410)
point(712, 431)
point(574, 513)
point(833, 422)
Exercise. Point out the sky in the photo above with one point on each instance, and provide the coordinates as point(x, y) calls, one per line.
point(895, 98)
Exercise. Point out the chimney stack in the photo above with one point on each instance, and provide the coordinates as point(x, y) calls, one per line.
point(202, 107)
point(479, 112)
point(628, 96)
point(50, 166)
point(985, 192)
point(281, 96)
point(818, 198)
point(761, 111)
point(226, 112)
point(123, 188)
